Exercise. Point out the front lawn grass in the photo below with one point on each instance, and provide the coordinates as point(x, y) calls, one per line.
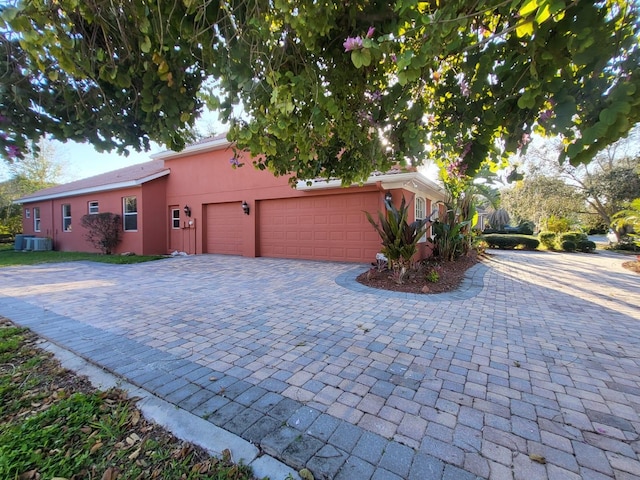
point(54, 424)
point(9, 257)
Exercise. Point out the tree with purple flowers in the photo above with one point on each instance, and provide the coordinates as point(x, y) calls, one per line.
point(326, 89)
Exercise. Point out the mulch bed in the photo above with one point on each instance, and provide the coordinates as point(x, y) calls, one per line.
point(450, 275)
point(634, 266)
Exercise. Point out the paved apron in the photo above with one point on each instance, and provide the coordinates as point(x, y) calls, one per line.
point(536, 357)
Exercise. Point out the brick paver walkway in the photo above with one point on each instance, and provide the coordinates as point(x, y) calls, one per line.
point(536, 357)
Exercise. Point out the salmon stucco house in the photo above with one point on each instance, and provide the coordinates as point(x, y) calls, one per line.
point(193, 201)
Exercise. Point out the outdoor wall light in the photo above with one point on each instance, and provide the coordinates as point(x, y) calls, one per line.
point(388, 197)
point(187, 210)
point(245, 207)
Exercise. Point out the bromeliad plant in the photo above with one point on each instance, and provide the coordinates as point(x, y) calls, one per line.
point(399, 238)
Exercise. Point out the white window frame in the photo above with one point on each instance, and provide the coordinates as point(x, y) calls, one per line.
point(420, 210)
point(36, 219)
point(126, 214)
point(93, 207)
point(66, 217)
point(175, 219)
point(27, 213)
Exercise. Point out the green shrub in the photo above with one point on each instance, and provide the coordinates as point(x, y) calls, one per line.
point(558, 224)
point(569, 246)
point(495, 240)
point(548, 240)
point(586, 246)
point(573, 236)
point(526, 228)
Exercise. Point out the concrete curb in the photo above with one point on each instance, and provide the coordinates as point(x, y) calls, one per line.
point(184, 425)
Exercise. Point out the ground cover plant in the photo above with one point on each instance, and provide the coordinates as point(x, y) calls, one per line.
point(9, 257)
point(54, 424)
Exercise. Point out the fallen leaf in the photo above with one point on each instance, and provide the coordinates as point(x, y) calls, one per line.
point(135, 417)
point(226, 455)
point(305, 474)
point(135, 454)
point(96, 446)
point(29, 475)
point(110, 474)
point(538, 458)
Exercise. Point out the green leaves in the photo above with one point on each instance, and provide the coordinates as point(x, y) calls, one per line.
point(361, 58)
point(419, 79)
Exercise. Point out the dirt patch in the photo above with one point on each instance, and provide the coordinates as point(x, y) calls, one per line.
point(449, 276)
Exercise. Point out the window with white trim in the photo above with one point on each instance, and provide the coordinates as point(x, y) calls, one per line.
point(94, 208)
point(36, 219)
point(130, 214)
point(27, 213)
point(175, 218)
point(421, 213)
point(66, 217)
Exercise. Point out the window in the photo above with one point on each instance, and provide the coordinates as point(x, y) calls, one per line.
point(66, 217)
point(36, 219)
point(93, 208)
point(421, 213)
point(175, 218)
point(130, 214)
point(27, 213)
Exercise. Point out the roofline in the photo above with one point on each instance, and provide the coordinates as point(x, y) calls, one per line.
point(191, 149)
point(100, 188)
point(387, 181)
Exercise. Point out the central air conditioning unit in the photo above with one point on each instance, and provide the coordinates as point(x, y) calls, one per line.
point(41, 244)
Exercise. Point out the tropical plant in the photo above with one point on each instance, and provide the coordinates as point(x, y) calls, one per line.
point(498, 219)
point(103, 230)
point(629, 221)
point(399, 238)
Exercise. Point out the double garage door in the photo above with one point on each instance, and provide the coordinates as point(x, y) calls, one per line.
point(328, 227)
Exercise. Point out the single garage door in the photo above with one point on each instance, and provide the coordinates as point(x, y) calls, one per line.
point(329, 227)
point(223, 230)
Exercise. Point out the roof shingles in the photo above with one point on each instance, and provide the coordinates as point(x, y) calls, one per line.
point(134, 173)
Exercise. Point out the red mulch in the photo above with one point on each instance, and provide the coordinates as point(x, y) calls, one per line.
point(450, 276)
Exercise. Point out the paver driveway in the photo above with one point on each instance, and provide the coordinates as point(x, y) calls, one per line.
point(537, 358)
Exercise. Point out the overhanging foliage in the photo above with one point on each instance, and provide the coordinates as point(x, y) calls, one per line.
point(325, 89)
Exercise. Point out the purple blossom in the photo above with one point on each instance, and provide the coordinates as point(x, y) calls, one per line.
point(375, 96)
point(370, 32)
point(467, 149)
point(3, 119)
point(234, 162)
point(393, 57)
point(464, 86)
point(352, 43)
point(546, 115)
point(13, 151)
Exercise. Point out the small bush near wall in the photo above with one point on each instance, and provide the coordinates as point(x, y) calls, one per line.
point(103, 230)
point(548, 240)
point(511, 241)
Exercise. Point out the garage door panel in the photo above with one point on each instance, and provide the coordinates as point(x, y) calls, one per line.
point(223, 231)
point(330, 227)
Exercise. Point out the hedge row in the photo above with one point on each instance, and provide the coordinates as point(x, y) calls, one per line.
point(567, 241)
point(509, 242)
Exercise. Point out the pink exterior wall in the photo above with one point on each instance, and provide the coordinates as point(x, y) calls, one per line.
point(152, 194)
point(208, 178)
point(151, 211)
